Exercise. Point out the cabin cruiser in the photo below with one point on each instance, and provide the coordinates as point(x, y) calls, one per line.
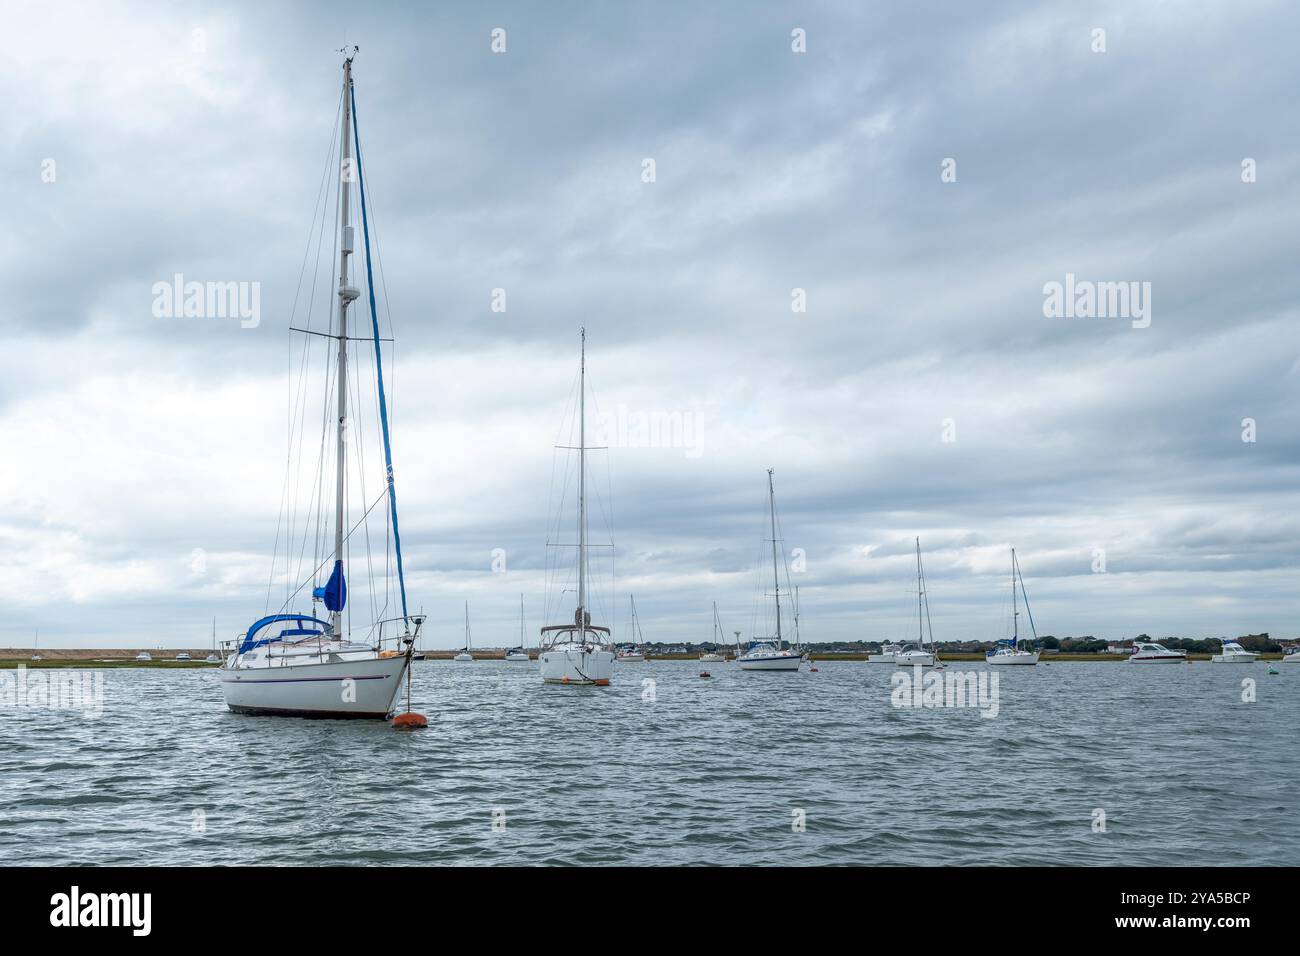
point(888, 654)
point(183, 656)
point(144, 656)
point(1149, 652)
point(1291, 655)
point(1234, 653)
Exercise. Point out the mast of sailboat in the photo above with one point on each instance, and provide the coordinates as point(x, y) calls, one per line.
point(776, 578)
point(1015, 606)
point(717, 624)
point(920, 592)
point(467, 625)
point(523, 645)
point(346, 295)
point(581, 616)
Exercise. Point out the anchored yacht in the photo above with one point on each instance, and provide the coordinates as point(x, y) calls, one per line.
point(771, 654)
point(1149, 652)
point(578, 652)
point(1234, 653)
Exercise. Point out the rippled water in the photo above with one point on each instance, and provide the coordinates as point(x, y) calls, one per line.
point(710, 771)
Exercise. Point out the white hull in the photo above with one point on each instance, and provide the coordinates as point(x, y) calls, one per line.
point(518, 658)
point(770, 663)
point(631, 658)
point(576, 664)
point(1161, 659)
point(463, 657)
point(1020, 657)
point(317, 689)
point(1291, 659)
point(911, 660)
point(712, 659)
point(882, 658)
point(1239, 658)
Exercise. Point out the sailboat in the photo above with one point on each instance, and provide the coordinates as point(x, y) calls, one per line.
point(465, 655)
point(637, 651)
point(770, 655)
point(520, 653)
point(296, 663)
point(578, 652)
point(1008, 650)
point(715, 656)
point(36, 646)
point(913, 656)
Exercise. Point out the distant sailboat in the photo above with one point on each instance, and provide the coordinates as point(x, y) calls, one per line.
point(520, 653)
point(465, 655)
point(1008, 650)
point(36, 645)
point(918, 654)
point(715, 656)
point(771, 654)
point(578, 652)
point(213, 657)
point(294, 663)
point(637, 651)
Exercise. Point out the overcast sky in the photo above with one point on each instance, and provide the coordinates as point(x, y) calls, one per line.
point(922, 392)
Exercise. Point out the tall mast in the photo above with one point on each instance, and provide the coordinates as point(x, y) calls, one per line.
point(581, 618)
point(522, 644)
point(920, 591)
point(346, 295)
point(467, 625)
point(1015, 607)
point(776, 578)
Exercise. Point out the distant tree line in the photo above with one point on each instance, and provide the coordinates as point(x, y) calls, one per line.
point(1086, 644)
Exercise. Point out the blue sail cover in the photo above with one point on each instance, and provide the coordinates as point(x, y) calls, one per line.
point(335, 591)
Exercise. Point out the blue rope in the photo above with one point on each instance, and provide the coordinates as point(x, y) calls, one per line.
point(379, 362)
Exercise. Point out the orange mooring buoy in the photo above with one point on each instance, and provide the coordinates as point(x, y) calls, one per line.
point(410, 721)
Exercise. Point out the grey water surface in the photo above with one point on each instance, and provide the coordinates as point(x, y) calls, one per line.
point(664, 767)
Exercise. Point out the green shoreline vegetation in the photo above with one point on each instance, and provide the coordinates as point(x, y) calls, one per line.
point(1068, 649)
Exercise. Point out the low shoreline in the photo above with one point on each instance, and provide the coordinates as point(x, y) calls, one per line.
point(119, 657)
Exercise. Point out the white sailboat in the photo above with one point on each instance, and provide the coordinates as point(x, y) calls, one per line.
point(635, 652)
point(715, 656)
point(295, 663)
point(1233, 653)
point(465, 656)
point(578, 652)
point(1008, 651)
point(918, 655)
point(771, 655)
point(520, 654)
point(36, 646)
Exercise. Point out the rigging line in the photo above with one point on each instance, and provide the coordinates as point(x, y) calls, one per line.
point(359, 463)
point(284, 495)
point(1025, 594)
point(383, 405)
point(319, 212)
point(330, 557)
